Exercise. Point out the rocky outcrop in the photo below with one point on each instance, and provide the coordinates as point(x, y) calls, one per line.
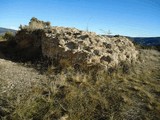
point(73, 47)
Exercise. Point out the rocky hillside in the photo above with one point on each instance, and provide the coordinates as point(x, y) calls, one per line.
point(61, 73)
point(69, 95)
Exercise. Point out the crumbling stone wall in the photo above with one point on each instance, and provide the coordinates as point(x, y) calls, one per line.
point(73, 47)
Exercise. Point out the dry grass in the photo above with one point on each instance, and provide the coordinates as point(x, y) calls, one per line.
point(131, 92)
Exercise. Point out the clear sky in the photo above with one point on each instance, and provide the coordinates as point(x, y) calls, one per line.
point(124, 17)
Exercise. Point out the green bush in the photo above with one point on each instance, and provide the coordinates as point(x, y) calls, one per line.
point(8, 36)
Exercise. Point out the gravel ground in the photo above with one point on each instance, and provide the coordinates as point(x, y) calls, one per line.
point(14, 76)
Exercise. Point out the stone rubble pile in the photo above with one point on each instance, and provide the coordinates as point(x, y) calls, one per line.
point(73, 47)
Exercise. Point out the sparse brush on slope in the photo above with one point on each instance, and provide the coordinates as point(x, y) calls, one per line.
point(94, 95)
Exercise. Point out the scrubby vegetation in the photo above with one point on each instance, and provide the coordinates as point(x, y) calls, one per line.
point(36, 24)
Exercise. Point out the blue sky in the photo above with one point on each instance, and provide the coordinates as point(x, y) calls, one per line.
point(124, 17)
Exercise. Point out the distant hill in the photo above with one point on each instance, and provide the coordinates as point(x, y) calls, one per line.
point(4, 30)
point(147, 41)
point(144, 41)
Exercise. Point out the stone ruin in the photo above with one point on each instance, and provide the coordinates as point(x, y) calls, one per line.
point(73, 47)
